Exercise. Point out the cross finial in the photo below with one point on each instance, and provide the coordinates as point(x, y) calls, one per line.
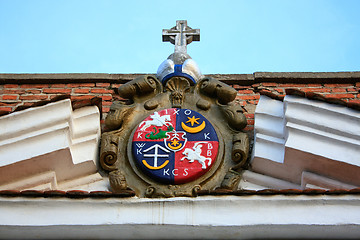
point(181, 35)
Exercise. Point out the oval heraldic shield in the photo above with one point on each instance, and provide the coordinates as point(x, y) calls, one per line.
point(175, 146)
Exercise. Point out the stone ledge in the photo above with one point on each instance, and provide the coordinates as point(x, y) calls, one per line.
point(234, 217)
point(65, 78)
point(307, 77)
point(242, 79)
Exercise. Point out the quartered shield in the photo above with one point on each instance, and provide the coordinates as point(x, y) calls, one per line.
point(175, 146)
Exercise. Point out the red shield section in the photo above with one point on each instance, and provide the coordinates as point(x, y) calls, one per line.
point(175, 146)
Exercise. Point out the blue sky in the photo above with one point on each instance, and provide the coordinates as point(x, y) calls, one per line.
point(125, 36)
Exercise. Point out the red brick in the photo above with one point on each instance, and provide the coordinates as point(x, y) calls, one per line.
point(269, 84)
point(106, 97)
point(254, 102)
point(82, 90)
point(357, 84)
point(11, 85)
point(250, 121)
point(27, 104)
point(338, 85)
point(118, 98)
point(249, 115)
point(338, 90)
point(84, 97)
point(291, 85)
point(7, 104)
point(6, 109)
point(33, 97)
point(314, 85)
point(348, 95)
point(9, 97)
point(33, 91)
point(248, 97)
point(266, 91)
point(75, 85)
point(34, 85)
point(249, 128)
point(105, 109)
point(104, 103)
point(58, 85)
point(351, 89)
point(237, 86)
point(279, 90)
point(315, 89)
point(60, 90)
point(101, 90)
point(13, 91)
point(102, 84)
point(354, 101)
point(245, 92)
point(57, 96)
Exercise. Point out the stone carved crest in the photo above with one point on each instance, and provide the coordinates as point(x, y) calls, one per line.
point(178, 133)
point(164, 147)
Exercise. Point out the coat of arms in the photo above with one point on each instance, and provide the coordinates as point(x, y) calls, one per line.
point(175, 145)
point(178, 132)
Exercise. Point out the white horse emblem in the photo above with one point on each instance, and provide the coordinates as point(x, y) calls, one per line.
point(195, 154)
point(157, 120)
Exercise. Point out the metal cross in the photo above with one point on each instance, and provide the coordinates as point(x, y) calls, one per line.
point(181, 35)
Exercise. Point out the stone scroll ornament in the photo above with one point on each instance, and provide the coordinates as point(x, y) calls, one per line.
point(178, 132)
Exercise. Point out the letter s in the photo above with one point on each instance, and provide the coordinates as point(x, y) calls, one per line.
point(185, 172)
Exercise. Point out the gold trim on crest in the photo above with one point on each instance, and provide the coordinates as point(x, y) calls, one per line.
point(193, 129)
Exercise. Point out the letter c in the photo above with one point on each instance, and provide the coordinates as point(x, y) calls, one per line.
point(173, 172)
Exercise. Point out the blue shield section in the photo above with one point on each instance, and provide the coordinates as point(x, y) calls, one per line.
point(154, 161)
point(185, 116)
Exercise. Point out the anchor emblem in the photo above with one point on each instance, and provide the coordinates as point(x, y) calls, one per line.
point(156, 155)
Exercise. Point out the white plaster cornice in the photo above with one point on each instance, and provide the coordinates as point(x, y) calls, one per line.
point(50, 147)
point(300, 135)
point(207, 217)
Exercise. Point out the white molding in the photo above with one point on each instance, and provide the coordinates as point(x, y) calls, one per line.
point(317, 130)
point(53, 135)
point(250, 179)
point(269, 135)
point(224, 217)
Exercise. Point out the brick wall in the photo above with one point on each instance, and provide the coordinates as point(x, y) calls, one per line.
point(26, 90)
point(13, 96)
point(248, 96)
